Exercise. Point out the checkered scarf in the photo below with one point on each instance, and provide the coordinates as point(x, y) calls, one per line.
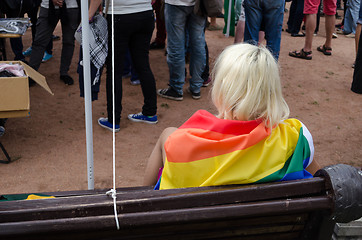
point(98, 43)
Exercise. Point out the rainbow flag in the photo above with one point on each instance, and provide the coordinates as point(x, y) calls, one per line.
point(208, 151)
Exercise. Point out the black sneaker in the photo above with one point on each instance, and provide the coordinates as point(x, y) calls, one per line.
point(193, 94)
point(170, 94)
point(67, 79)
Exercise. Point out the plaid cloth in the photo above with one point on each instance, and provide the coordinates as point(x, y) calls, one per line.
point(98, 42)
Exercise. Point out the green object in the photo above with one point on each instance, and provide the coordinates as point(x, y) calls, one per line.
point(16, 197)
point(229, 18)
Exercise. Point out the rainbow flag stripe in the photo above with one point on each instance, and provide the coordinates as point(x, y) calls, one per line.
point(208, 151)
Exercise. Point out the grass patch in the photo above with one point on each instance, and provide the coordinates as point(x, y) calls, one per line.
point(165, 105)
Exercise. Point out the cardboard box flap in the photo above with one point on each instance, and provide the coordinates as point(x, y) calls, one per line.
point(37, 77)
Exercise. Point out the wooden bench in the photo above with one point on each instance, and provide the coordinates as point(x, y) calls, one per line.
point(301, 209)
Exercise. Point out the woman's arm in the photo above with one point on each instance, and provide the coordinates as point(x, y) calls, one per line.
point(157, 158)
point(313, 167)
point(94, 4)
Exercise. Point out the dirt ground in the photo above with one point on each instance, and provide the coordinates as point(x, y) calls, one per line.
point(49, 147)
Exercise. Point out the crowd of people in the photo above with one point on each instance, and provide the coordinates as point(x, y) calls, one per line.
point(246, 84)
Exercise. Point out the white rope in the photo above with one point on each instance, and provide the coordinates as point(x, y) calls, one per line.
point(113, 192)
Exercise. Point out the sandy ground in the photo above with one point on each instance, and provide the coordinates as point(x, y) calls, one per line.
point(49, 149)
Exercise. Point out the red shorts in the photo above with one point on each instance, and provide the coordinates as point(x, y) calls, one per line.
point(311, 6)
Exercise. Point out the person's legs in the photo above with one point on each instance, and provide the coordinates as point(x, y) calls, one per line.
point(139, 49)
point(318, 18)
point(195, 26)
point(292, 16)
point(127, 65)
point(17, 47)
point(330, 22)
point(206, 73)
point(329, 8)
point(310, 11)
point(239, 31)
point(253, 19)
point(69, 26)
point(261, 37)
point(273, 19)
point(49, 48)
point(298, 16)
point(175, 17)
point(240, 27)
point(16, 43)
point(157, 158)
point(357, 73)
point(122, 30)
point(358, 33)
point(358, 28)
point(160, 24)
point(351, 17)
point(33, 15)
point(43, 35)
point(310, 24)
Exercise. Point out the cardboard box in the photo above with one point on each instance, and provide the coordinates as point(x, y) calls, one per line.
point(14, 92)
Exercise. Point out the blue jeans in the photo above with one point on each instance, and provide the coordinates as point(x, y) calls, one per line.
point(264, 15)
point(129, 68)
point(351, 16)
point(178, 19)
point(360, 13)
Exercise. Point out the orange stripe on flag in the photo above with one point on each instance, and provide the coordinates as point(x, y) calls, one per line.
point(196, 144)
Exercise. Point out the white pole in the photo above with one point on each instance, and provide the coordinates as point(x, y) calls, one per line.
point(87, 93)
point(227, 34)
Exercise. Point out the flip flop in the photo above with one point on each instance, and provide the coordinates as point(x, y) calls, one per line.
point(325, 50)
point(301, 54)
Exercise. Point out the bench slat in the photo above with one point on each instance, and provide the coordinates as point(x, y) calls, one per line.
point(150, 200)
point(232, 211)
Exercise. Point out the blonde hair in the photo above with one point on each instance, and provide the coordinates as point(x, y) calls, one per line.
point(247, 85)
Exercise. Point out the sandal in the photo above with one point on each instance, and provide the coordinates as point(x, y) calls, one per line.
point(325, 50)
point(301, 54)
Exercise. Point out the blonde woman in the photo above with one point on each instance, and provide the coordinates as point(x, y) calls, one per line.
point(250, 140)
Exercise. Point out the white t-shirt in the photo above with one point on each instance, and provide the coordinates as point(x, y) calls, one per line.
point(69, 3)
point(181, 2)
point(129, 6)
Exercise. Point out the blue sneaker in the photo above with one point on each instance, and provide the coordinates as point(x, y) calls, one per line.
point(135, 82)
point(46, 57)
point(103, 122)
point(139, 117)
point(2, 131)
point(27, 52)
